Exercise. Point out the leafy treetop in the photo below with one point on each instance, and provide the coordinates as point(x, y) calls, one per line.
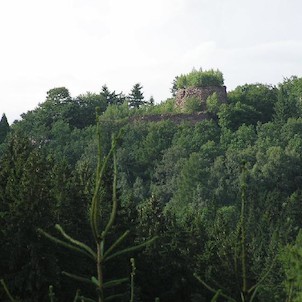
point(200, 78)
point(58, 95)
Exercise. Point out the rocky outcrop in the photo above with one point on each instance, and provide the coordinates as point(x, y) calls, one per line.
point(201, 93)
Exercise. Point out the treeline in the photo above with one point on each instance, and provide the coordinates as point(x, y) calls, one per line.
point(224, 196)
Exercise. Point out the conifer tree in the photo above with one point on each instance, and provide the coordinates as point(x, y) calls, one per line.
point(4, 128)
point(136, 97)
point(111, 97)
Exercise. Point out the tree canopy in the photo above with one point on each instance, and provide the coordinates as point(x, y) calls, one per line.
point(221, 191)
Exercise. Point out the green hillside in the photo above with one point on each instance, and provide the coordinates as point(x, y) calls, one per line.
point(222, 194)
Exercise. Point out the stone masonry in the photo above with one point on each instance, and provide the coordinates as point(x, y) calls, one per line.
point(201, 93)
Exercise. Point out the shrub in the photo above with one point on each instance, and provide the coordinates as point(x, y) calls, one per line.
point(213, 104)
point(192, 104)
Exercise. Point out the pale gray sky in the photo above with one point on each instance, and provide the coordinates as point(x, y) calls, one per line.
point(83, 44)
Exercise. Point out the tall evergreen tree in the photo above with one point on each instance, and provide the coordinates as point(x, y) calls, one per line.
point(136, 97)
point(111, 97)
point(4, 128)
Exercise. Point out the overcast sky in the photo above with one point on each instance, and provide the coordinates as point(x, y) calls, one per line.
point(84, 44)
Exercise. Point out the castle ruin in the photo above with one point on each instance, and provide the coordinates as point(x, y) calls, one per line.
point(200, 93)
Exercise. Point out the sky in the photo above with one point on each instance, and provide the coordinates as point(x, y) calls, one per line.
point(84, 44)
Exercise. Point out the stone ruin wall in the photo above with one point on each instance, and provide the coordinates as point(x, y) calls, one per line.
point(201, 93)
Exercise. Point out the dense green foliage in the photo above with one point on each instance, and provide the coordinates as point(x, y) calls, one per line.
point(200, 78)
point(223, 195)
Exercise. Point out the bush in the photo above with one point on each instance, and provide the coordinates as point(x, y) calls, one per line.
point(192, 104)
point(213, 104)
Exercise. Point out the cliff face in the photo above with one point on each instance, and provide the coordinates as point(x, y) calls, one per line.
point(201, 93)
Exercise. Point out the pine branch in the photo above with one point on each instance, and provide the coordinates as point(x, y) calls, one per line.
point(7, 291)
point(132, 279)
point(95, 205)
point(63, 243)
point(114, 198)
point(213, 290)
point(51, 294)
point(254, 294)
point(76, 297)
point(116, 243)
point(98, 173)
point(264, 276)
point(84, 299)
point(116, 282)
point(131, 249)
point(76, 242)
point(214, 299)
point(78, 278)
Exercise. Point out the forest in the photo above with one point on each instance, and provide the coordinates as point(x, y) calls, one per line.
point(195, 210)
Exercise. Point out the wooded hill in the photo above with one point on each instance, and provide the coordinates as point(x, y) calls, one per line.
point(223, 195)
